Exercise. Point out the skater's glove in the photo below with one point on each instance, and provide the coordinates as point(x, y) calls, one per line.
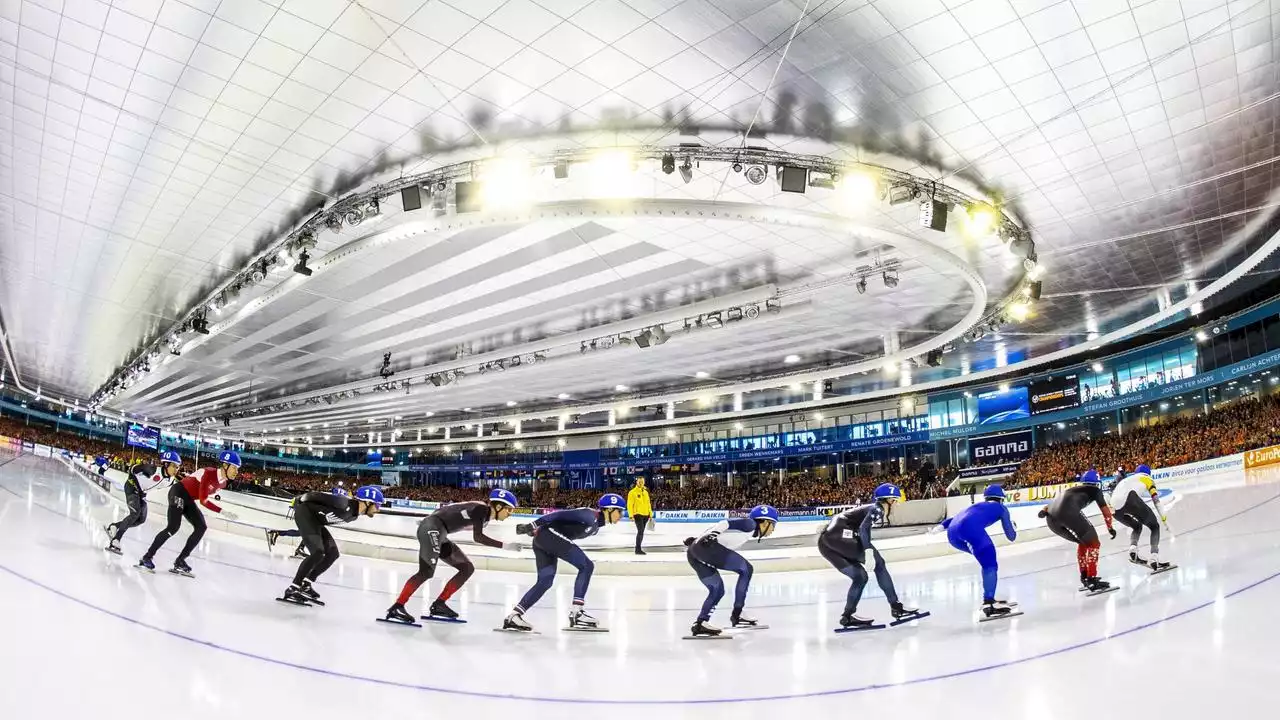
point(1112, 532)
point(513, 546)
point(228, 515)
point(525, 529)
point(1044, 512)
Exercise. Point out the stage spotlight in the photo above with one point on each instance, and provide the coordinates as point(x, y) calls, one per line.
point(200, 325)
point(686, 171)
point(508, 183)
point(861, 285)
point(901, 194)
point(890, 278)
point(668, 163)
point(737, 167)
point(757, 174)
point(934, 358)
point(857, 190)
point(979, 220)
point(1033, 290)
point(301, 268)
point(1019, 311)
point(610, 174)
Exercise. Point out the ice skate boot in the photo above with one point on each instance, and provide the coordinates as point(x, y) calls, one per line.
point(702, 628)
point(146, 564)
point(110, 530)
point(310, 593)
point(849, 620)
point(578, 618)
point(516, 622)
point(300, 552)
point(295, 595)
point(114, 547)
point(1096, 585)
point(397, 613)
point(738, 620)
point(901, 611)
point(441, 610)
point(272, 536)
point(1156, 565)
point(995, 608)
point(1134, 557)
point(180, 567)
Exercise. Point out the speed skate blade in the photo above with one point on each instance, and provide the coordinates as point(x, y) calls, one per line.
point(113, 550)
point(1113, 588)
point(299, 603)
point(905, 620)
point(182, 574)
point(397, 622)
point(859, 628)
point(1005, 616)
point(1164, 570)
point(510, 631)
point(443, 620)
point(587, 629)
point(748, 627)
point(721, 636)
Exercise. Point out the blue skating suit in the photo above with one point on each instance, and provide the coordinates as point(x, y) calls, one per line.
point(553, 538)
point(713, 551)
point(968, 532)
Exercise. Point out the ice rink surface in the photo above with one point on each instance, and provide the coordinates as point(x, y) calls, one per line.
point(85, 634)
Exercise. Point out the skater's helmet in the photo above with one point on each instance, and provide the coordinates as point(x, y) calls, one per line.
point(229, 457)
point(993, 491)
point(764, 512)
point(339, 491)
point(371, 493)
point(506, 497)
point(888, 491)
point(169, 456)
point(611, 500)
point(1090, 477)
point(1143, 470)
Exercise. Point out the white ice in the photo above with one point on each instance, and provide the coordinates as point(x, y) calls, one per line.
point(85, 634)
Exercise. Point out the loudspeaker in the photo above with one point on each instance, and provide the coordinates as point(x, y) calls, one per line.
point(794, 179)
point(411, 198)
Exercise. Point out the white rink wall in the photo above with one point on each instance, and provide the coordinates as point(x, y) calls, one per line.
point(392, 537)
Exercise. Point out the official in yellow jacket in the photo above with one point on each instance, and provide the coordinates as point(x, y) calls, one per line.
point(640, 510)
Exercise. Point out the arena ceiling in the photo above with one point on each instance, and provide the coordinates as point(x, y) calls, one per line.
point(156, 147)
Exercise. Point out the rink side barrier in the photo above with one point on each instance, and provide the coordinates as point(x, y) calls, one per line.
point(392, 537)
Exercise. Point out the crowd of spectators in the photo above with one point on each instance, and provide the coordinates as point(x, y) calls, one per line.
point(1232, 428)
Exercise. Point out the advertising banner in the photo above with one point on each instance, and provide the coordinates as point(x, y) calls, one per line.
point(988, 471)
point(1005, 447)
point(690, 514)
point(1262, 457)
point(997, 406)
point(1055, 393)
point(43, 451)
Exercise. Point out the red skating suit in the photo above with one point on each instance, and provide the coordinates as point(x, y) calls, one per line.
point(202, 484)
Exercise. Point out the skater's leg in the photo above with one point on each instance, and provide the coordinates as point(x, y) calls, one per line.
point(193, 515)
point(329, 555)
point(314, 543)
point(177, 499)
point(546, 564)
point(428, 553)
point(573, 555)
point(710, 578)
point(883, 579)
point(847, 557)
point(137, 512)
point(1147, 517)
point(1062, 530)
point(641, 521)
point(455, 558)
point(984, 551)
point(737, 564)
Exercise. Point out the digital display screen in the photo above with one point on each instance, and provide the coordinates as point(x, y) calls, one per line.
point(1057, 393)
point(997, 406)
point(141, 436)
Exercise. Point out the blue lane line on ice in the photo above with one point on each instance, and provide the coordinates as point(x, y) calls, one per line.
point(870, 594)
point(589, 701)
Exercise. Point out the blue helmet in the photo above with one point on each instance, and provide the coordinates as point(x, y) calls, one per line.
point(1143, 470)
point(1090, 477)
point(506, 497)
point(339, 491)
point(611, 500)
point(888, 491)
point(371, 493)
point(764, 512)
point(169, 456)
point(993, 491)
point(229, 457)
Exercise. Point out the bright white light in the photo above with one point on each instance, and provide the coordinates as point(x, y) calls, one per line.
point(1200, 336)
point(857, 190)
point(519, 445)
point(797, 387)
point(1019, 311)
point(610, 174)
point(672, 433)
point(702, 374)
point(507, 182)
point(613, 439)
point(791, 359)
point(891, 368)
point(563, 396)
point(480, 448)
point(979, 221)
point(737, 426)
point(1004, 387)
point(560, 442)
point(1097, 367)
point(705, 401)
point(511, 403)
point(620, 388)
point(817, 416)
